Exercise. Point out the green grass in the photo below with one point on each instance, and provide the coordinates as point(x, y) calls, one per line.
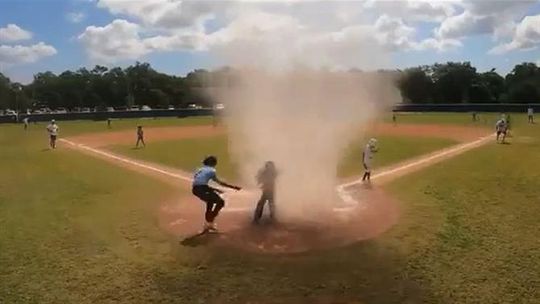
point(187, 154)
point(471, 224)
point(70, 128)
point(74, 229)
point(485, 119)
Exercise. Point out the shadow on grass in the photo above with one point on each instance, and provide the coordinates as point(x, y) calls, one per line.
point(366, 272)
point(199, 239)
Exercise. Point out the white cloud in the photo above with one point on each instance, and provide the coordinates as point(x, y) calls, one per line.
point(122, 39)
point(440, 45)
point(479, 17)
point(117, 40)
point(526, 36)
point(294, 30)
point(75, 17)
point(25, 54)
point(414, 10)
point(165, 14)
point(14, 33)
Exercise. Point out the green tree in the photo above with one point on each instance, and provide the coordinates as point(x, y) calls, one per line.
point(416, 85)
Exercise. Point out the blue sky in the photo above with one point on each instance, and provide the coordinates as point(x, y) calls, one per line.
point(177, 37)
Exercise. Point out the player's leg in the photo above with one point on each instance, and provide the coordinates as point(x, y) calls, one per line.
point(259, 209)
point(142, 141)
point(366, 172)
point(498, 135)
point(202, 194)
point(218, 203)
point(271, 205)
point(54, 141)
point(138, 141)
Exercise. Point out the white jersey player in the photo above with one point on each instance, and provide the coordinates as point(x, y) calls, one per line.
point(367, 155)
point(501, 127)
point(530, 115)
point(52, 128)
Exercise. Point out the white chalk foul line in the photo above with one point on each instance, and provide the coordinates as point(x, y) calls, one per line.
point(435, 156)
point(345, 195)
point(127, 161)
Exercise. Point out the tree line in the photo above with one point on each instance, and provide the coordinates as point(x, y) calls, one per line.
point(140, 84)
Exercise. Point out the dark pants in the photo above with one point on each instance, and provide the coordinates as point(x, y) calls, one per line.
point(267, 196)
point(214, 202)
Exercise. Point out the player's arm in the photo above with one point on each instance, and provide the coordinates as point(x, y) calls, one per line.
point(224, 184)
point(216, 189)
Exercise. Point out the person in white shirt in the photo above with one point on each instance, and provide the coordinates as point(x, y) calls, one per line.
point(501, 127)
point(367, 155)
point(25, 121)
point(52, 128)
point(530, 115)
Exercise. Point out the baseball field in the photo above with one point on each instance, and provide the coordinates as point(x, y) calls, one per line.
point(450, 217)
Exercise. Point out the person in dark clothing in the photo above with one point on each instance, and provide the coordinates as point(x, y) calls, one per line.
point(266, 179)
point(140, 137)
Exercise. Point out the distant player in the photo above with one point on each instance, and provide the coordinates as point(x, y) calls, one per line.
point(52, 128)
point(109, 123)
point(501, 127)
point(266, 179)
point(474, 116)
point(25, 121)
point(367, 155)
point(394, 118)
point(530, 115)
point(209, 195)
point(140, 137)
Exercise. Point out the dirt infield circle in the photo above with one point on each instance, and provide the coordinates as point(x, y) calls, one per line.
point(375, 214)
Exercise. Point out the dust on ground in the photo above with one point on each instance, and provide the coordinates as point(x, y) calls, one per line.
point(376, 214)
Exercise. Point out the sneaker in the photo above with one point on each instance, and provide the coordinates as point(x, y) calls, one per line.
point(212, 227)
point(206, 227)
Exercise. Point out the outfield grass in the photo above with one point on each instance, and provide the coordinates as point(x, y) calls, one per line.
point(471, 227)
point(484, 119)
point(70, 128)
point(187, 154)
point(74, 229)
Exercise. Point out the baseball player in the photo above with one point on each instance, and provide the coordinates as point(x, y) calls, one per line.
point(367, 155)
point(25, 121)
point(501, 128)
point(52, 128)
point(530, 115)
point(209, 195)
point(140, 137)
point(109, 123)
point(266, 179)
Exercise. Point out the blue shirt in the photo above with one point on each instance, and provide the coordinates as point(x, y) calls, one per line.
point(203, 175)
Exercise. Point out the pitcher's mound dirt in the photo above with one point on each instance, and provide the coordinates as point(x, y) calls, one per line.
point(375, 214)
